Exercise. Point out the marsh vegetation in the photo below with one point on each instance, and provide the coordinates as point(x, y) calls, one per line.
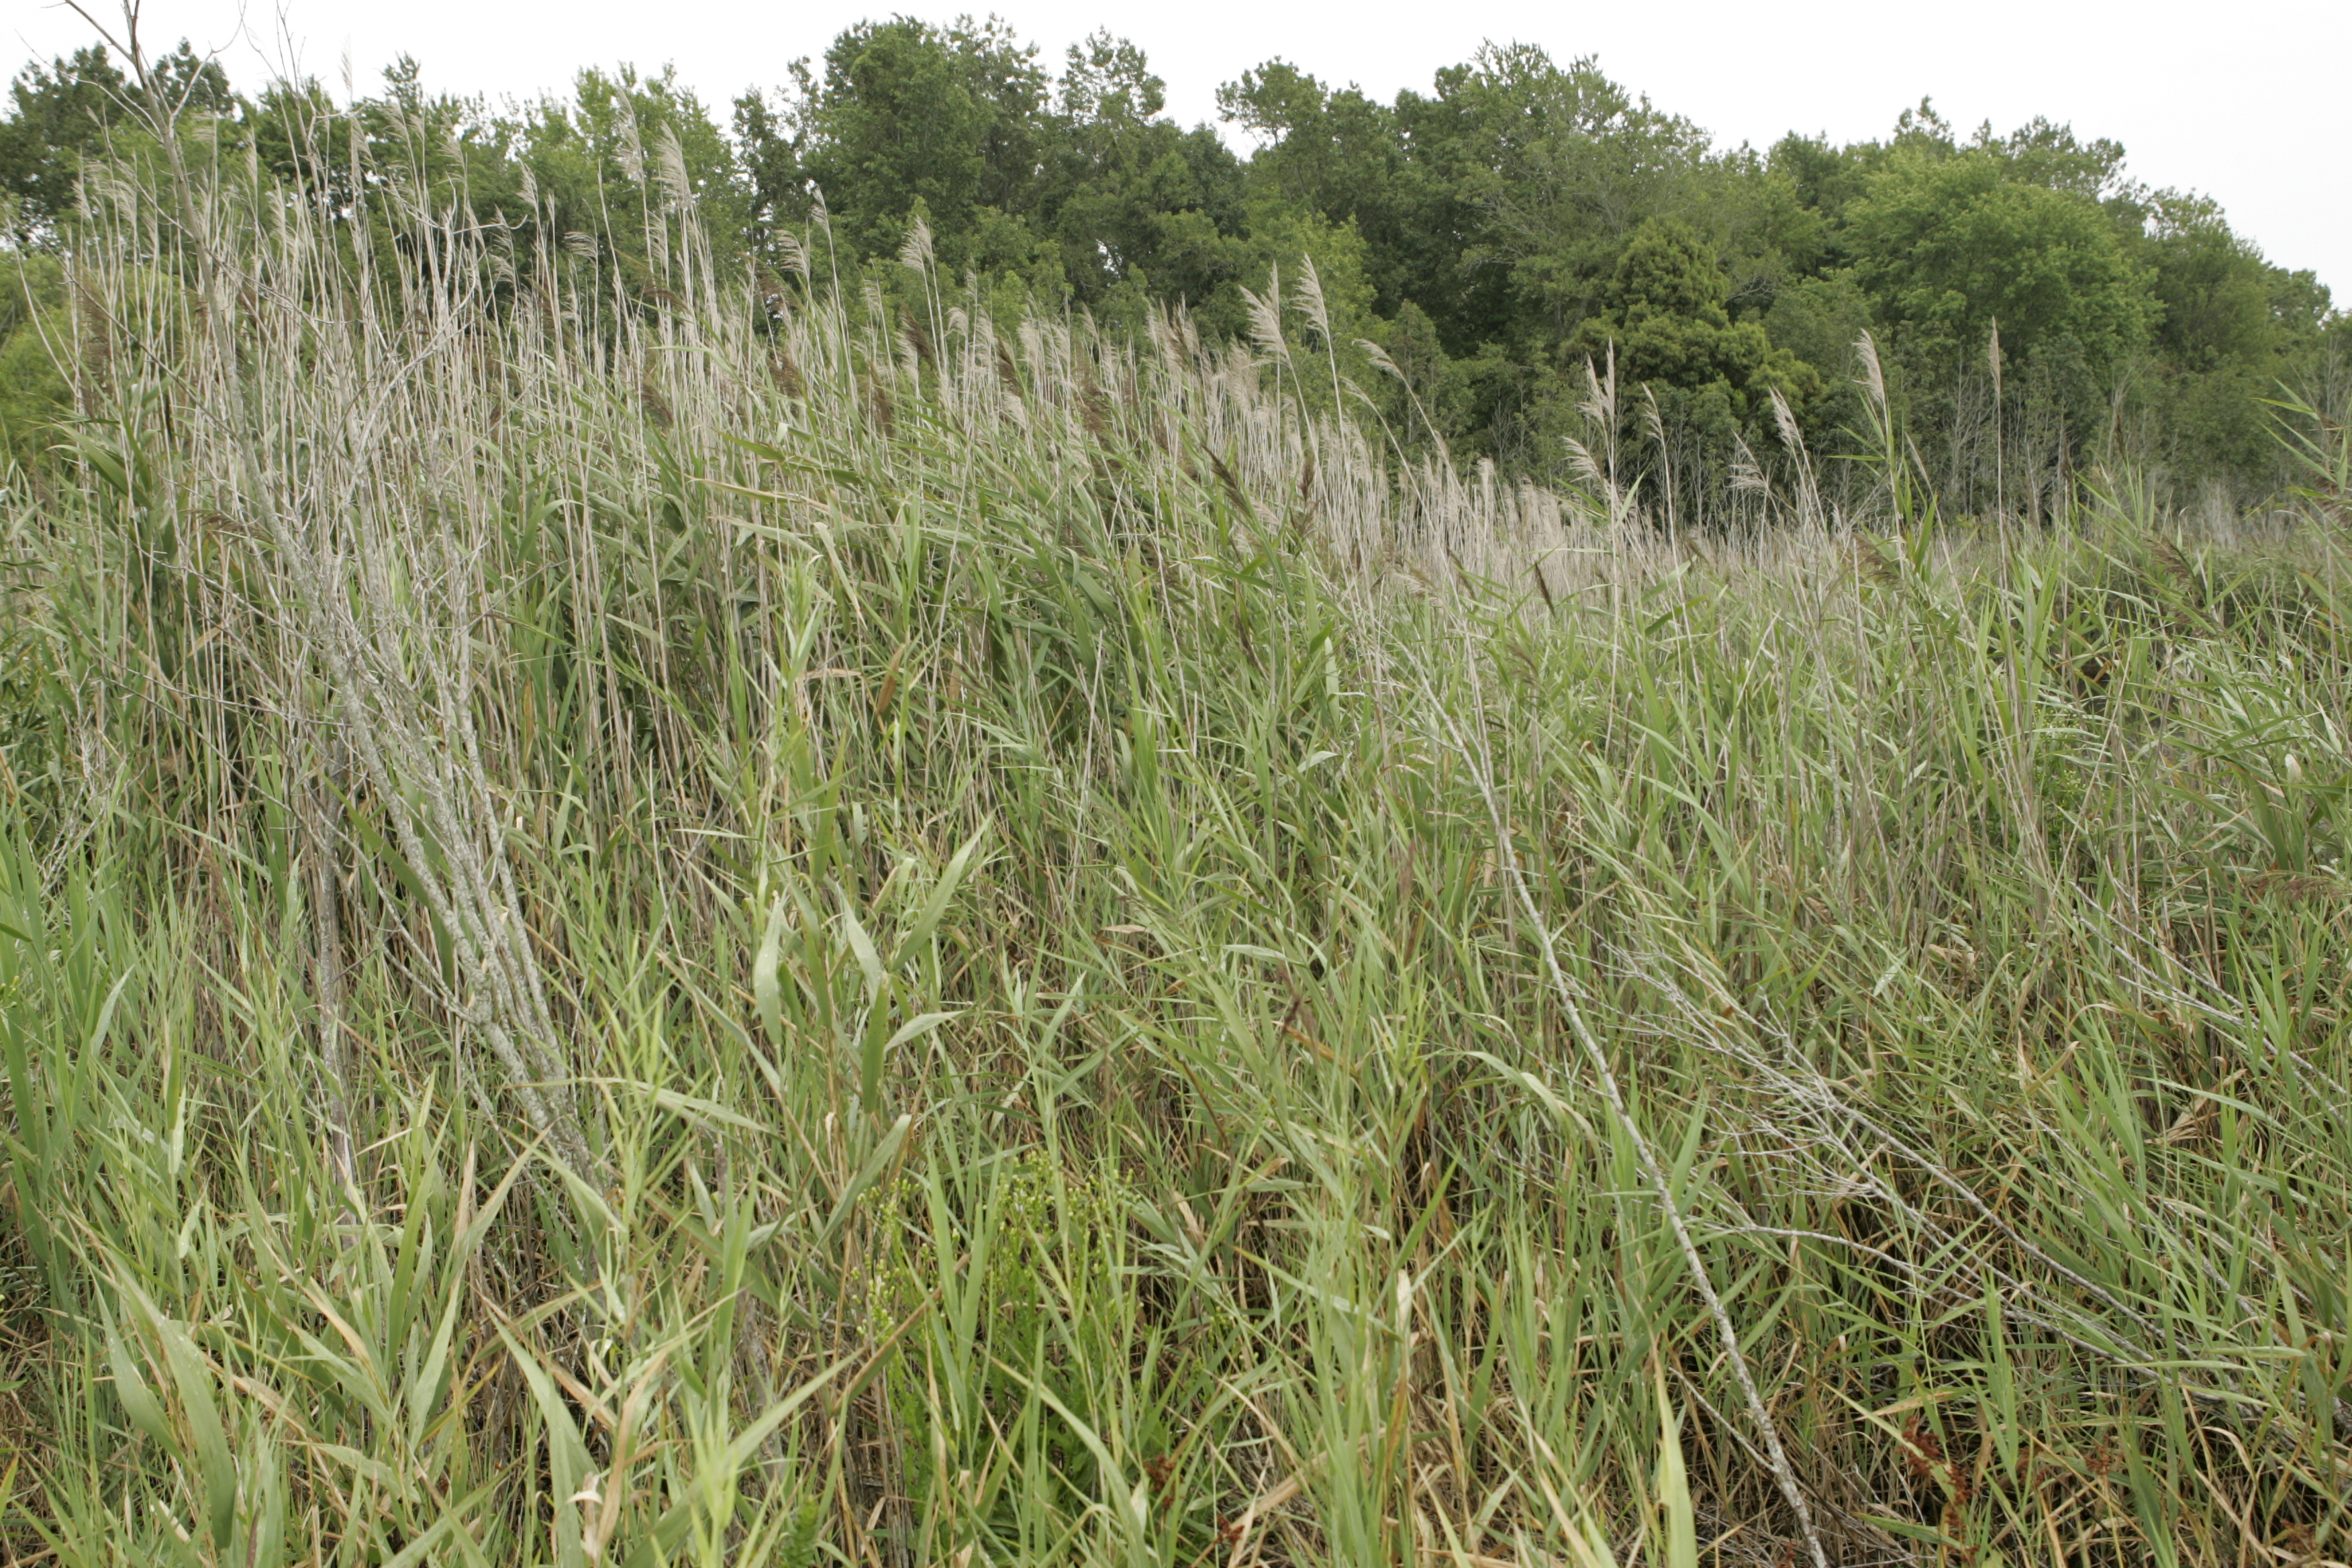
point(713, 918)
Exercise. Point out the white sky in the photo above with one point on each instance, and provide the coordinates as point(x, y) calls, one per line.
point(2249, 107)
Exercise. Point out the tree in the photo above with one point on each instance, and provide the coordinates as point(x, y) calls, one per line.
point(1077, 186)
point(1137, 204)
point(1948, 245)
point(1341, 156)
point(907, 117)
point(63, 112)
point(1549, 170)
point(2222, 302)
point(2234, 329)
point(1664, 320)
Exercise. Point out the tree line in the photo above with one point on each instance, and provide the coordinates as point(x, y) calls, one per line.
point(1486, 256)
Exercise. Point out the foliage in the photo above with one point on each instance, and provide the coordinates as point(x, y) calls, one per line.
point(1661, 320)
point(909, 118)
point(62, 112)
point(1953, 247)
point(36, 341)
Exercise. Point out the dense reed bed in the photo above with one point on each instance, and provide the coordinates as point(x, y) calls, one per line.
point(746, 922)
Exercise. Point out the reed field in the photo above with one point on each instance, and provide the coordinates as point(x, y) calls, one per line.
point(765, 920)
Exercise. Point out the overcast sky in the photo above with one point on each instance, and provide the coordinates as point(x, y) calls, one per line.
point(2248, 106)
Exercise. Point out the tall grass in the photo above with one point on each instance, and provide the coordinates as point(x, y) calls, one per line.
point(741, 923)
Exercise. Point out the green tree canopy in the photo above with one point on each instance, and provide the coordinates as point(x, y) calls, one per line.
point(64, 109)
point(1950, 245)
point(1662, 317)
point(905, 117)
point(1076, 185)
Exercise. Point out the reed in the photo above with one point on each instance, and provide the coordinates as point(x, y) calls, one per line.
point(729, 923)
